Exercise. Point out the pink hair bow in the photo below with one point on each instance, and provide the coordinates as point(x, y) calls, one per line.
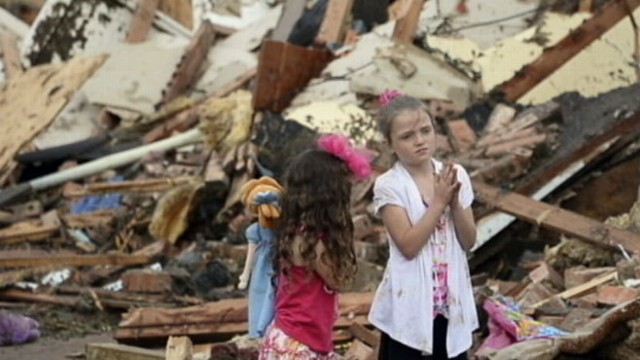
point(358, 160)
point(388, 95)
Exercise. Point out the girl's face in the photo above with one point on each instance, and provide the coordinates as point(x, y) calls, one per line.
point(413, 138)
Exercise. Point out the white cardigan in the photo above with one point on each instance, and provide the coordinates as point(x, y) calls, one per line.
point(403, 304)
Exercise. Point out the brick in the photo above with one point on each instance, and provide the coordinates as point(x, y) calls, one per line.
point(462, 134)
point(501, 286)
point(589, 301)
point(579, 275)
point(575, 319)
point(547, 274)
point(616, 295)
point(147, 281)
point(535, 293)
point(514, 144)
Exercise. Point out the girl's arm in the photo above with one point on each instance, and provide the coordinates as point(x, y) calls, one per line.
point(410, 239)
point(463, 221)
point(464, 224)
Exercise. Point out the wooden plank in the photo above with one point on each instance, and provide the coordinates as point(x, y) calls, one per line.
point(189, 117)
point(222, 318)
point(30, 296)
point(581, 289)
point(585, 5)
point(59, 259)
point(142, 21)
point(610, 141)
point(31, 230)
point(406, 26)
point(555, 57)
point(180, 10)
point(93, 275)
point(291, 12)
point(555, 218)
point(128, 187)
point(283, 70)
point(365, 335)
point(335, 22)
point(189, 68)
point(89, 220)
point(109, 351)
point(49, 87)
point(11, 55)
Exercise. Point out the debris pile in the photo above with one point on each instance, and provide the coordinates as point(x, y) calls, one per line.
point(129, 128)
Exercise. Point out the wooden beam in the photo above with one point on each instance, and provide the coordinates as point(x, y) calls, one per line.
point(109, 351)
point(405, 28)
point(11, 55)
point(29, 230)
point(180, 10)
point(555, 218)
point(7, 259)
point(128, 187)
point(142, 21)
point(335, 22)
point(89, 220)
point(580, 289)
point(585, 6)
point(189, 67)
point(216, 320)
point(555, 57)
point(189, 117)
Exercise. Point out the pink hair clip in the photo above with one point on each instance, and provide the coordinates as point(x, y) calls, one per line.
point(358, 160)
point(388, 95)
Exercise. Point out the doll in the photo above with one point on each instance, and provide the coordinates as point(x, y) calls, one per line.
point(261, 197)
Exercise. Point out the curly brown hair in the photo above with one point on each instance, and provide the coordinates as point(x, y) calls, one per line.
point(317, 193)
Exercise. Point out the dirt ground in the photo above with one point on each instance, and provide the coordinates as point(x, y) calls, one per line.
point(64, 332)
point(52, 348)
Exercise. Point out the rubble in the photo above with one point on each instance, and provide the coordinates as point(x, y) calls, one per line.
point(130, 126)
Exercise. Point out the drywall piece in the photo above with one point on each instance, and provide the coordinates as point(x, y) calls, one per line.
point(77, 121)
point(66, 28)
point(226, 64)
point(334, 83)
point(251, 36)
point(417, 73)
point(12, 25)
point(360, 57)
point(336, 90)
point(604, 65)
point(328, 117)
point(480, 12)
point(134, 76)
point(233, 15)
point(504, 59)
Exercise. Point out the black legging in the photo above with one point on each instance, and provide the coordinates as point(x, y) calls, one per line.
point(392, 350)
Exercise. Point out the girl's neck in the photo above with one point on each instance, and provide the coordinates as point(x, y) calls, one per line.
point(424, 169)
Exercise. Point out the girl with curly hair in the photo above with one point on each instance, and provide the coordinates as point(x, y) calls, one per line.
point(314, 256)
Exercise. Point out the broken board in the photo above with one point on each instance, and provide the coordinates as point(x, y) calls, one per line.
point(49, 87)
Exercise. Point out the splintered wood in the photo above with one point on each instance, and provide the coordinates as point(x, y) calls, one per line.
point(556, 218)
point(49, 87)
point(218, 320)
